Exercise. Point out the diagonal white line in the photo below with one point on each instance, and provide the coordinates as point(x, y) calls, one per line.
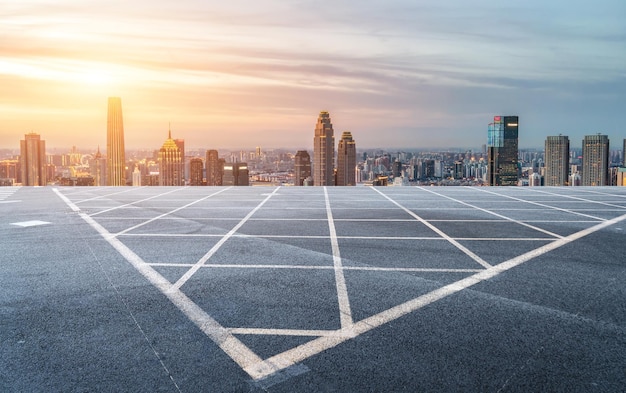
point(493, 213)
point(241, 354)
point(543, 205)
point(438, 231)
point(170, 212)
point(311, 348)
point(286, 332)
point(135, 202)
point(181, 281)
point(108, 195)
point(345, 312)
point(584, 199)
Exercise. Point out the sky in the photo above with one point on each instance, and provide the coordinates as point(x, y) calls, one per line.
point(243, 73)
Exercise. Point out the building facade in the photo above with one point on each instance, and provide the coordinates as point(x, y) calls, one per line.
point(302, 168)
point(346, 160)
point(323, 151)
point(557, 161)
point(196, 169)
point(236, 174)
point(595, 170)
point(502, 151)
point(116, 156)
point(170, 163)
point(214, 168)
point(33, 160)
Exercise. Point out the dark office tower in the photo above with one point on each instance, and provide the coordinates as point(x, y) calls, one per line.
point(624, 154)
point(196, 167)
point(595, 171)
point(33, 160)
point(213, 169)
point(302, 168)
point(557, 161)
point(396, 168)
point(236, 174)
point(346, 160)
point(502, 151)
point(170, 163)
point(323, 152)
point(116, 159)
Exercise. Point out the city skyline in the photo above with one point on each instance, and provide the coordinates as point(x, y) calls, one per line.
point(401, 74)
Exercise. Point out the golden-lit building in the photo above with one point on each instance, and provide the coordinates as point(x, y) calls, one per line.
point(33, 160)
point(346, 160)
point(170, 163)
point(116, 155)
point(323, 151)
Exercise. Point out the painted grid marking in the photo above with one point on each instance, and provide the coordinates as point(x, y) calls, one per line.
point(258, 368)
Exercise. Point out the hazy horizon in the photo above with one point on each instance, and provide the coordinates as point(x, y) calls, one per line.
point(257, 74)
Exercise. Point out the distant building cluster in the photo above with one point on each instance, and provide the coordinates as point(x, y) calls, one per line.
point(500, 163)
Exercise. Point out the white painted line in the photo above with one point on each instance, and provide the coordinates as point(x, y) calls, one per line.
point(11, 201)
point(241, 354)
point(135, 202)
point(584, 199)
point(170, 212)
point(181, 281)
point(438, 231)
point(286, 332)
point(108, 195)
point(26, 224)
point(551, 234)
point(345, 312)
point(305, 351)
point(318, 267)
point(541, 204)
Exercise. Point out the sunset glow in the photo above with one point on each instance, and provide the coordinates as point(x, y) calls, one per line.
point(241, 73)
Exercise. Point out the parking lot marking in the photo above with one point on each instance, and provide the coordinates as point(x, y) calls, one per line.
point(551, 234)
point(219, 244)
point(458, 245)
point(134, 203)
point(340, 281)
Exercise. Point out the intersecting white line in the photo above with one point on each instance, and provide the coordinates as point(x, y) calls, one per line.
point(345, 312)
point(493, 213)
point(106, 195)
point(134, 203)
point(181, 281)
point(541, 204)
point(302, 352)
point(234, 348)
point(171, 212)
point(438, 231)
point(582, 199)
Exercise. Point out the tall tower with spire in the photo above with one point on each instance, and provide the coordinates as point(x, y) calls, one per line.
point(170, 163)
point(323, 151)
point(116, 159)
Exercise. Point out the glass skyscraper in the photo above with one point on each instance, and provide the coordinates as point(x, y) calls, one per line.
point(502, 151)
point(33, 160)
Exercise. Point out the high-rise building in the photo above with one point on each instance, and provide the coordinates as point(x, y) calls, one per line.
point(136, 177)
point(236, 174)
point(33, 160)
point(346, 160)
point(595, 170)
point(557, 161)
point(502, 151)
point(323, 151)
point(116, 158)
point(98, 169)
point(624, 154)
point(196, 167)
point(214, 168)
point(302, 168)
point(170, 163)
